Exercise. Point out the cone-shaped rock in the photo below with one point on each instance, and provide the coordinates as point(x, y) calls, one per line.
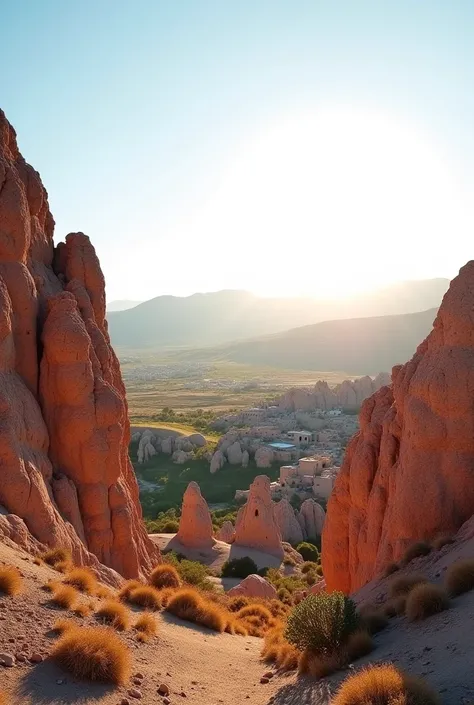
point(256, 526)
point(195, 525)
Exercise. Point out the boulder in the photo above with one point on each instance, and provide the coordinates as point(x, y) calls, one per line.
point(255, 525)
point(197, 440)
point(226, 532)
point(245, 459)
point(61, 392)
point(180, 457)
point(264, 457)
point(311, 518)
point(234, 453)
point(195, 526)
point(408, 474)
point(254, 586)
point(167, 445)
point(217, 461)
point(290, 529)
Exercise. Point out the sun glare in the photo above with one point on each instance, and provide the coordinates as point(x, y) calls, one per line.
point(330, 204)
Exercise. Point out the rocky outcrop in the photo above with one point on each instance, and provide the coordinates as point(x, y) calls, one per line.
point(264, 457)
point(62, 399)
point(255, 526)
point(217, 461)
point(226, 532)
point(234, 454)
point(311, 518)
point(254, 586)
point(349, 394)
point(195, 526)
point(408, 474)
point(287, 522)
point(245, 458)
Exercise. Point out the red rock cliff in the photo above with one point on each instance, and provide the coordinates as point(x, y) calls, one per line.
point(64, 431)
point(408, 474)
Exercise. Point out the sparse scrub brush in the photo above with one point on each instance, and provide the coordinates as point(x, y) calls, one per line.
point(146, 624)
point(319, 665)
point(56, 556)
point(279, 651)
point(190, 606)
point(390, 569)
point(239, 568)
point(309, 551)
point(63, 625)
point(115, 614)
point(395, 606)
point(146, 596)
point(82, 610)
point(373, 620)
point(321, 623)
point(441, 541)
point(460, 577)
point(165, 576)
point(104, 593)
point(263, 614)
point(127, 588)
point(309, 567)
point(236, 603)
point(11, 582)
point(359, 644)
point(425, 600)
point(420, 548)
point(93, 654)
point(64, 596)
point(384, 685)
point(404, 583)
point(83, 579)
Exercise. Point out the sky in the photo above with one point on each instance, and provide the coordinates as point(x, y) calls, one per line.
point(284, 147)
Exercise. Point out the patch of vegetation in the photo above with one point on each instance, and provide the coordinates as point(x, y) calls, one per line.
point(58, 558)
point(165, 575)
point(115, 614)
point(239, 568)
point(384, 685)
point(191, 572)
point(188, 604)
point(308, 551)
point(146, 625)
point(11, 582)
point(404, 583)
point(460, 577)
point(83, 579)
point(145, 596)
point(425, 600)
point(64, 596)
point(373, 620)
point(420, 548)
point(390, 569)
point(291, 583)
point(441, 541)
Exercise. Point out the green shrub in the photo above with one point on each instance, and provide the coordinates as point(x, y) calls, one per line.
point(239, 568)
point(309, 551)
point(309, 567)
point(322, 623)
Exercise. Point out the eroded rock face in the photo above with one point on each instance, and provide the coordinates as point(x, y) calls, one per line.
point(288, 524)
point(311, 518)
point(226, 532)
point(254, 586)
point(64, 429)
point(195, 525)
point(255, 526)
point(408, 473)
point(217, 461)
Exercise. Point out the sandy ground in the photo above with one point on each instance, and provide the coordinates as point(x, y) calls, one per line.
point(200, 666)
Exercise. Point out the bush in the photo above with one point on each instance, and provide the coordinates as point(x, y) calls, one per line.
point(442, 540)
point(64, 596)
point(263, 614)
point(82, 610)
point(11, 582)
point(403, 584)
point(460, 577)
point(115, 614)
point(165, 575)
point(63, 625)
point(384, 685)
point(309, 551)
point(145, 596)
point(390, 569)
point(193, 573)
point(94, 654)
point(277, 650)
point(425, 600)
point(146, 624)
point(239, 568)
point(421, 548)
point(236, 603)
point(320, 665)
point(127, 588)
point(395, 606)
point(83, 579)
point(190, 606)
point(359, 644)
point(104, 592)
point(321, 623)
point(373, 620)
point(309, 567)
point(57, 557)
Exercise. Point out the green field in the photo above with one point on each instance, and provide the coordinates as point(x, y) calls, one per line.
point(171, 481)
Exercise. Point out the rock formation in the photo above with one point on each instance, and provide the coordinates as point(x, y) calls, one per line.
point(254, 586)
point(311, 518)
point(349, 394)
point(408, 474)
point(245, 458)
point(64, 428)
point(195, 526)
point(255, 526)
point(217, 461)
point(264, 457)
point(226, 532)
point(234, 454)
point(287, 522)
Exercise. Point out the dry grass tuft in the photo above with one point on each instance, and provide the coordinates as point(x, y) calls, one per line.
point(37, 561)
point(146, 624)
point(114, 614)
point(373, 620)
point(83, 579)
point(63, 567)
point(126, 589)
point(104, 593)
point(403, 584)
point(165, 595)
point(64, 596)
point(384, 685)
point(359, 644)
point(83, 610)
point(51, 585)
point(145, 596)
point(165, 576)
point(442, 540)
point(93, 654)
point(460, 577)
point(256, 619)
point(63, 625)
point(425, 600)
point(277, 650)
point(395, 606)
point(11, 582)
point(57, 556)
point(420, 548)
point(319, 665)
point(236, 603)
point(189, 605)
point(390, 569)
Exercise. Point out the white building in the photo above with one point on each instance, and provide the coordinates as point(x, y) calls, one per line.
point(301, 437)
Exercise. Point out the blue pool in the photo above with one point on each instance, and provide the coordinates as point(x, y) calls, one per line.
point(282, 446)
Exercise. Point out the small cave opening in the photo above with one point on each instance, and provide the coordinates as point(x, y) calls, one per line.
point(256, 512)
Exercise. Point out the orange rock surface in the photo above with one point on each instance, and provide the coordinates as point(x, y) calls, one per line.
point(255, 526)
point(408, 474)
point(64, 428)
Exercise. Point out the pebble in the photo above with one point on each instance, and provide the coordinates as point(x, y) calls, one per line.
point(183, 694)
point(139, 675)
point(125, 701)
point(7, 659)
point(36, 658)
point(137, 681)
point(20, 657)
point(60, 681)
point(135, 693)
point(268, 674)
point(166, 701)
point(264, 680)
point(163, 689)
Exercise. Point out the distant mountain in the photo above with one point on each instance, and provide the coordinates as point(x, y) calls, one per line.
point(223, 316)
point(121, 305)
point(357, 346)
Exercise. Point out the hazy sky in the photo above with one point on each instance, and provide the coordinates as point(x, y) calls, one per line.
point(282, 147)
